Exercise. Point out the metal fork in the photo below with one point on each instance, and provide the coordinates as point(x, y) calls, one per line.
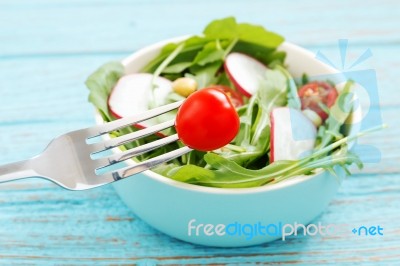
point(69, 160)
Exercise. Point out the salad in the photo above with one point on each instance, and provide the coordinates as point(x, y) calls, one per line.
point(234, 79)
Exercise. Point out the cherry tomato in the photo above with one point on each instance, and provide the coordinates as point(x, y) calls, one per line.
point(314, 93)
point(207, 120)
point(233, 95)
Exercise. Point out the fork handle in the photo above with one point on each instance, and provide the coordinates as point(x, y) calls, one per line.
point(15, 171)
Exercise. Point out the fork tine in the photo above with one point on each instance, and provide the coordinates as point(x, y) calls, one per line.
point(115, 142)
point(124, 122)
point(128, 154)
point(146, 165)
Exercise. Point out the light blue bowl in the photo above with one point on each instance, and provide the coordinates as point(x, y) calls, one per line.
point(172, 206)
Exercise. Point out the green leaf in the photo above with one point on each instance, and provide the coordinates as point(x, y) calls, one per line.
point(265, 55)
point(153, 64)
point(192, 46)
point(251, 151)
point(251, 39)
point(100, 84)
point(211, 52)
point(167, 61)
point(164, 169)
point(338, 114)
point(228, 174)
point(292, 95)
point(254, 133)
point(177, 68)
point(271, 94)
point(225, 28)
point(258, 35)
point(273, 89)
point(191, 174)
point(228, 28)
point(206, 75)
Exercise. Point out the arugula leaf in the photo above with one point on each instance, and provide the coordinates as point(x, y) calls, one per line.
point(153, 64)
point(228, 28)
point(100, 84)
point(211, 52)
point(191, 47)
point(272, 93)
point(225, 28)
point(251, 152)
point(266, 55)
point(225, 173)
point(251, 39)
point(166, 168)
point(167, 61)
point(254, 134)
point(258, 35)
point(243, 163)
point(273, 89)
point(177, 68)
point(338, 114)
point(206, 75)
point(292, 95)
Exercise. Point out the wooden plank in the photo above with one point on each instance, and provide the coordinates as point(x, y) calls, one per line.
point(48, 27)
point(47, 224)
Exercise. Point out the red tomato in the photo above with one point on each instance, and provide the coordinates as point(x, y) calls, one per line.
point(207, 120)
point(317, 92)
point(233, 95)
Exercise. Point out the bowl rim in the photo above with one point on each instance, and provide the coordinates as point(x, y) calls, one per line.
point(214, 190)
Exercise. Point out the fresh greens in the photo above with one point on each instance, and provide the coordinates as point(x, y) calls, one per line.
point(201, 57)
point(228, 28)
point(228, 172)
point(206, 74)
point(254, 134)
point(225, 173)
point(293, 97)
point(100, 84)
point(244, 162)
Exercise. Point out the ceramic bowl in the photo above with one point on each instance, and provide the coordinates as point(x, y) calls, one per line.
point(210, 216)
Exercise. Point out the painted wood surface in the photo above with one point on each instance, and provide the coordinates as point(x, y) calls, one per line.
point(47, 49)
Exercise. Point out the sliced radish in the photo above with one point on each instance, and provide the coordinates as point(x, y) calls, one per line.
point(132, 93)
point(245, 72)
point(292, 134)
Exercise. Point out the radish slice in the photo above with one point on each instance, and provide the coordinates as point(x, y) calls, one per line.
point(245, 72)
point(132, 93)
point(292, 134)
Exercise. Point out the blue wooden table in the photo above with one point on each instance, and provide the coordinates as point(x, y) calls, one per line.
point(48, 48)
